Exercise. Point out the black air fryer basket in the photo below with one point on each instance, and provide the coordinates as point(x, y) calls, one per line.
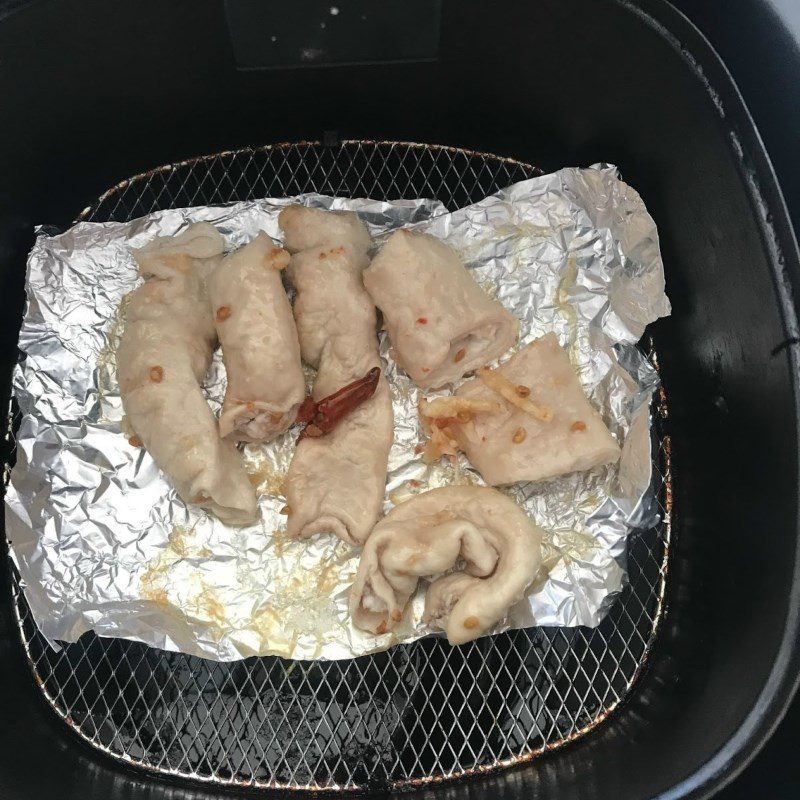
point(697, 659)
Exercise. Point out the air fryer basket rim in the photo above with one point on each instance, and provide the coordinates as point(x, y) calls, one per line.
point(779, 241)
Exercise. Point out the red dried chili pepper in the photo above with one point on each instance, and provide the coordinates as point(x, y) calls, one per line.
point(306, 410)
point(324, 416)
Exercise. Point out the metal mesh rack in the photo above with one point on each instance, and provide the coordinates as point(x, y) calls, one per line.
point(417, 713)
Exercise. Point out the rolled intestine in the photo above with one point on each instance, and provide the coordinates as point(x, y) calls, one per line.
point(440, 321)
point(260, 349)
point(336, 482)
point(530, 420)
point(164, 353)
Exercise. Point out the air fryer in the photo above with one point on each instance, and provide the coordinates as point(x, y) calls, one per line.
point(115, 111)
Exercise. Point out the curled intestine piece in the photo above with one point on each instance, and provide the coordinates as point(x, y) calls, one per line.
point(427, 536)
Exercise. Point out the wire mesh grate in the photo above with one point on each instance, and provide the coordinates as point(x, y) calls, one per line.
point(419, 712)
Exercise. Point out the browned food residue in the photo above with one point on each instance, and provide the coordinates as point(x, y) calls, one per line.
point(267, 480)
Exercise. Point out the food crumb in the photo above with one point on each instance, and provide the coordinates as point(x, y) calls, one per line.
point(577, 426)
point(223, 312)
point(519, 435)
point(135, 441)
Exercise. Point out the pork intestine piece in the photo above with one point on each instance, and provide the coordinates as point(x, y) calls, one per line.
point(440, 321)
point(163, 356)
point(428, 535)
point(336, 482)
point(260, 348)
point(517, 443)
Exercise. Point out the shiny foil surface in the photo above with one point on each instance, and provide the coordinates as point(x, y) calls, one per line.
point(102, 542)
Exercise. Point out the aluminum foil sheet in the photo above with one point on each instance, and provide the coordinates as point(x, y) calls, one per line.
point(103, 543)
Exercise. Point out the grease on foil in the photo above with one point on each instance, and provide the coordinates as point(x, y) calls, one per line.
point(102, 542)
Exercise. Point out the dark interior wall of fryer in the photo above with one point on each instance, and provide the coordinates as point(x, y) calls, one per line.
point(93, 92)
